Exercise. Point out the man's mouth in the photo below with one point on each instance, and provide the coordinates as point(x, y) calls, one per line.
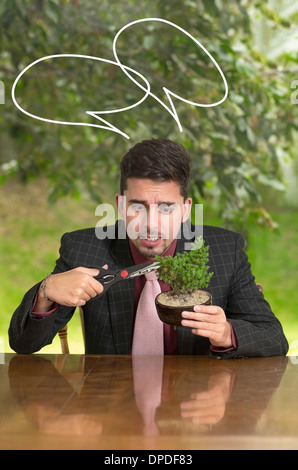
point(150, 236)
point(149, 240)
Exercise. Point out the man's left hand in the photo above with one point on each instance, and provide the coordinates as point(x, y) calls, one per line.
point(210, 322)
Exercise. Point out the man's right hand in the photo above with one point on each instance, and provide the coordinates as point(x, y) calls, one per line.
point(71, 288)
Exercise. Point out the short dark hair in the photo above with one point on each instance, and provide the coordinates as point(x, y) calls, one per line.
point(158, 160)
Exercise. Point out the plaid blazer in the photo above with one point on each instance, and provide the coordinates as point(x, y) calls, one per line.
point(109, 319)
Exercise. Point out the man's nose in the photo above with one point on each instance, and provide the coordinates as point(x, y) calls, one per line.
point(153, 219)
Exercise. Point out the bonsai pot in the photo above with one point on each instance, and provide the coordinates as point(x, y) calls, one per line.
point(170, 306)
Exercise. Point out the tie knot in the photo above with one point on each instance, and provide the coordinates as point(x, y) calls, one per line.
point(151, 276)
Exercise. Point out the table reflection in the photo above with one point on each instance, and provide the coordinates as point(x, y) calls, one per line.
point(149, 396)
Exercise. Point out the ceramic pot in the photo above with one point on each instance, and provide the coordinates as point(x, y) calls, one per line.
point(171, 314)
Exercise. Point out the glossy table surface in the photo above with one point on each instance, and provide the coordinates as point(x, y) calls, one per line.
point(171, 402)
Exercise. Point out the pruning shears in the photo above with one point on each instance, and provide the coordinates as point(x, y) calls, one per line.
point(109, 277)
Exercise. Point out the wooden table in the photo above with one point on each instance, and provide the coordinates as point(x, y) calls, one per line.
point(163, 403)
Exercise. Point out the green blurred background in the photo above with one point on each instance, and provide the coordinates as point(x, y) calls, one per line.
point(243, 151)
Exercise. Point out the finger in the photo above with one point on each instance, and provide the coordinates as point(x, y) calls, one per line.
point(200, 326)
point(202, 318)
point(96, 286)
point(90, 288)
point(103, 268)
point(194, 405)
point(81, 303)
point(90, 271)
point(85, 291)
point(88, 293)
point(211, 309)
point(204, 333)
point(208, 419)
point(79, 300)
point(205, 396)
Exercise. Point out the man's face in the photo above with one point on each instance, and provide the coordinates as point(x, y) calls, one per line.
point(153, 212)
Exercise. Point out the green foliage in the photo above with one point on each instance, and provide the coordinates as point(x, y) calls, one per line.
point(187, 271)
point(237, 148)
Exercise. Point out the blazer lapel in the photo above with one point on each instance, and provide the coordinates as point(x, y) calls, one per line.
point(121, 298)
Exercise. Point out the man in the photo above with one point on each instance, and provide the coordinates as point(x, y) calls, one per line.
point(155, 177)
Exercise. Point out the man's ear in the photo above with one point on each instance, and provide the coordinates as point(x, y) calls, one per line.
point(186, 208)
point(120, 203)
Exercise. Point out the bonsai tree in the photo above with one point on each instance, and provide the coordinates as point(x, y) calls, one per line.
point(186, 272)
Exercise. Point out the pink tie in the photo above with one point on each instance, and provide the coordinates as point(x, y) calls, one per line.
point(147, 378)
point(148, 331)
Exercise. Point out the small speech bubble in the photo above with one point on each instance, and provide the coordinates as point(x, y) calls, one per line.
point(97, 113)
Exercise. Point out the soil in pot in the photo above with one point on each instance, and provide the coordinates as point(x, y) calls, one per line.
point(170, 306)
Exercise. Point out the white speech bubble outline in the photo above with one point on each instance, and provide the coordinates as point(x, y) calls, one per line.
point(108, 126)
point(166, 90)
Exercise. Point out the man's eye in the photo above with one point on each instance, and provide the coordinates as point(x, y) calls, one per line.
point(137, 207)
point(165, 209)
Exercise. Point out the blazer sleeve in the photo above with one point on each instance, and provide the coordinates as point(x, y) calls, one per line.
point(28, 334)
point(257, 329)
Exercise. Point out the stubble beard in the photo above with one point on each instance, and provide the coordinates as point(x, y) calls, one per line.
point(151, 252)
